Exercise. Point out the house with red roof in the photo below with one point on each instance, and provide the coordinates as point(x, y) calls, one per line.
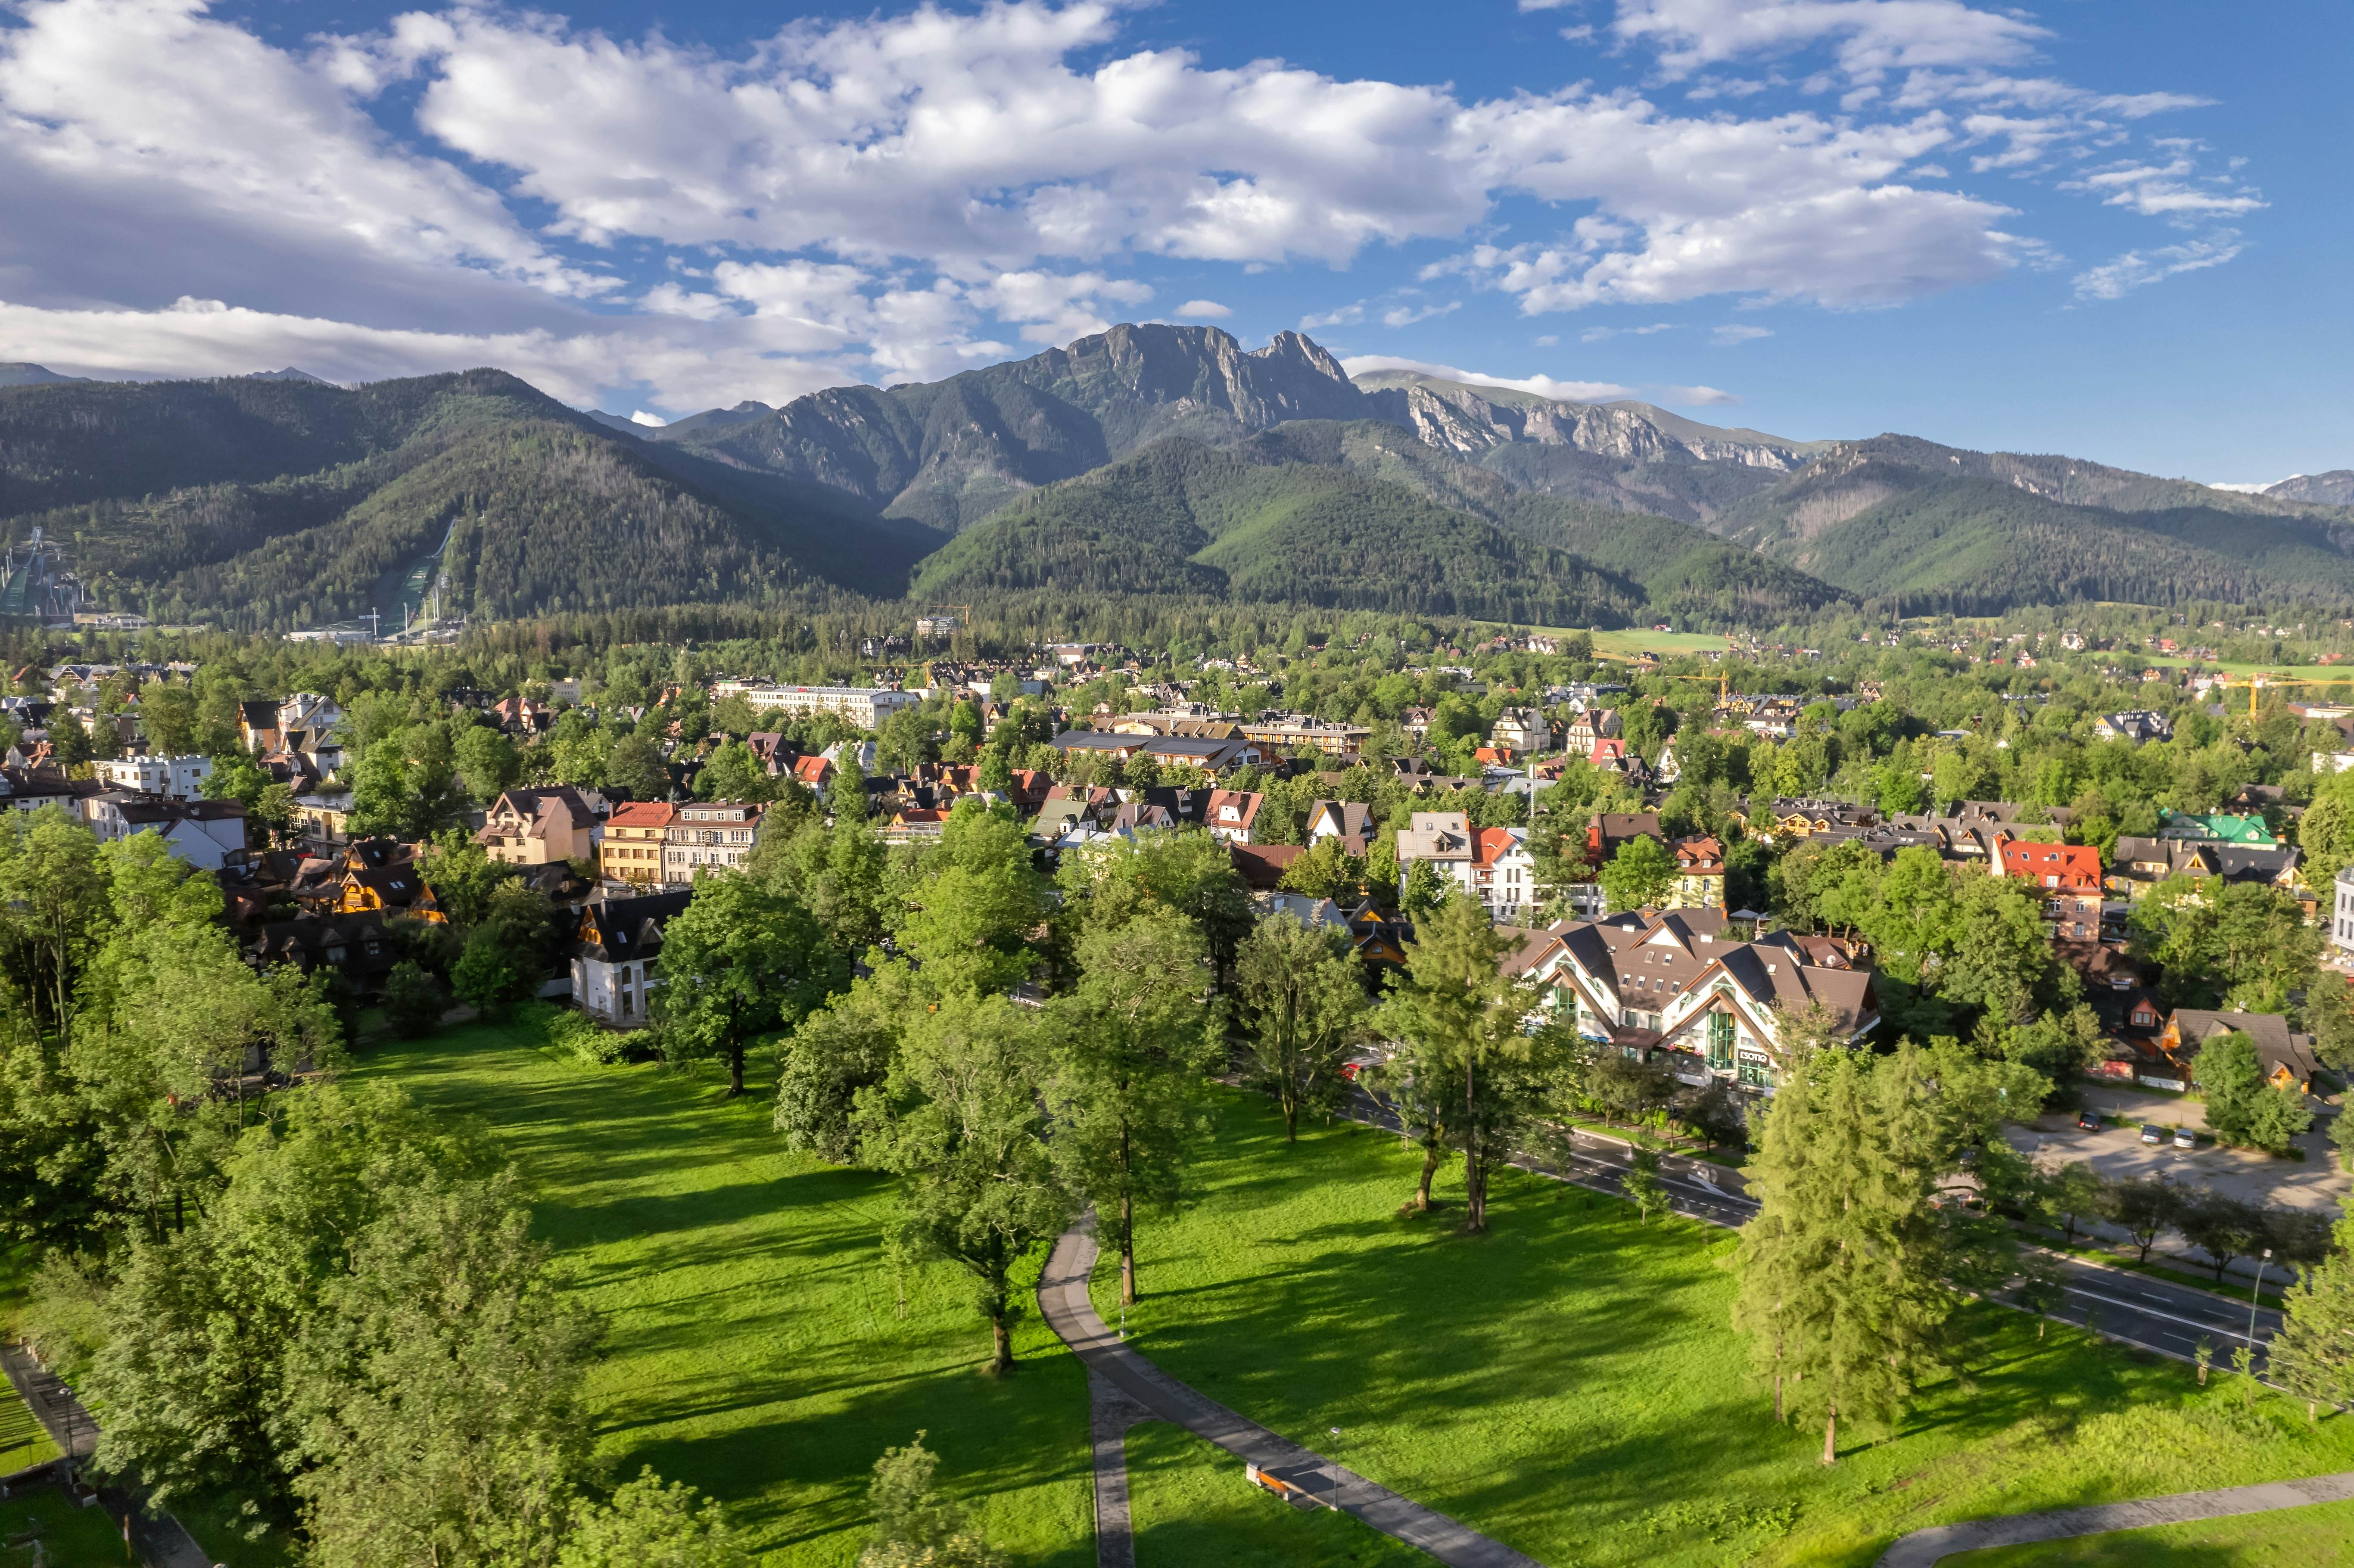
point(2071, 868)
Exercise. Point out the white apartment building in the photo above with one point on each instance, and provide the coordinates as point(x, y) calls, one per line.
point(2341, 920)
point(709, 833)
point(1493, 864)
point(865, 706)
point(178, 778)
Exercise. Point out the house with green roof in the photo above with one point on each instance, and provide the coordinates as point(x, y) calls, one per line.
point(2215, 827)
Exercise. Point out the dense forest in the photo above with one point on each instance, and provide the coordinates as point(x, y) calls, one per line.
point(1180, 517)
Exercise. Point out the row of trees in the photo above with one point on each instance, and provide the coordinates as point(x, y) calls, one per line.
point(319, 1303)
point(2146, 1207)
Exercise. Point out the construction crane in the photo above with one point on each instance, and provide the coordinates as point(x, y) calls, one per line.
point(2255, 681)
point(1724, 685)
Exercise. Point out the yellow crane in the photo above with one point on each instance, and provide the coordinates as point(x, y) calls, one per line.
point(2255, 681)
point(1724, 685)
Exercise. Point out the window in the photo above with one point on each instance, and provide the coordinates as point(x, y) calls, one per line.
point(1756, 1074)
point(1720, 1039)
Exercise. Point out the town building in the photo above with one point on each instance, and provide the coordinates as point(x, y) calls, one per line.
point(635, 835)
point(1234, 814)
point(204, 833)
point(865, 706)
point(614, 950)
point(2214, 827)
point(1680, 982)
point(1493, 864)
point(1348, 820)
point(2286, 1058)
point(707, 833)
point(1523, 730)
point(541, 827)
point(1276, 733)
point(2136, 724)
point(178, 777)
point(1700, 875)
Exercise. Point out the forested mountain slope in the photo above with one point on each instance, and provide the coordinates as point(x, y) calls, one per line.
point(265, 503)
point(1246, 522)
point(1976, 532)
point(1682, 569)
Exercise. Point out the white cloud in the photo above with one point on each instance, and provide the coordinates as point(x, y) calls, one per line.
point(1406, 316)
point(1869, 37)
point(653, 421)
point(1850, 248)
point(1734, 333)
point(1603, 335)
point(2165, 190)
point(1055, 308)
point(1695, 396)
point(2136, 269)
point(129, 98)
point(1540, 386)
point(694, 368)
point(1342, 315)
point(862, 197)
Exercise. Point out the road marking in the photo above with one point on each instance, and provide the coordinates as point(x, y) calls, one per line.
point(2152, 1312)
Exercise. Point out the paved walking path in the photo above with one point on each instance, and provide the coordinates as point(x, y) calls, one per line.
point(162, 1541)
point(1110, 1414)
point(1924, 1547)
point(1062, 1299)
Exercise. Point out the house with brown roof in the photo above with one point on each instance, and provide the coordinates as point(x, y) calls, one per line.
point(1679, 981)
point(2286, 1058)
point(1234, 814)
point(631, 849)
point(356, 946)
point(1351, 821)
point(1261, 866)
point(1700, 875)
point(395, 890)
point(540, 827)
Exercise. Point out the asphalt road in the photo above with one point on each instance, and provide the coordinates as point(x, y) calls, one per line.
point(2155, 1314)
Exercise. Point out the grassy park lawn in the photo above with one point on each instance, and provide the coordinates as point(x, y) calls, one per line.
point(1570, 1383)
point(67, 1534)
point(1191, 1508)
point(756, 1349)
point(22, 1440)
point(2321, 1536)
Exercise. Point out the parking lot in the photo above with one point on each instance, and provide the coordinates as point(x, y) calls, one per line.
point(2313, 1182)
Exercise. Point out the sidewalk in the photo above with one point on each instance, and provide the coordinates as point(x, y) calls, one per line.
point(161, 1541)
point(1064, 1301)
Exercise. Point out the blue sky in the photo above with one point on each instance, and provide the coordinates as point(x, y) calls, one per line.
point(2116, 231)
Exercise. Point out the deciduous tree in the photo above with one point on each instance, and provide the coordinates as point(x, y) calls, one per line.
point(1133, 1044)
point(1303, 1003)
point(1460, 1022)
point(740, 961)
point(961, 1120)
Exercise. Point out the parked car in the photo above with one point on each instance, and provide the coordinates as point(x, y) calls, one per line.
point(2090, 1121)
point(2185, 1138)
point(2151, 1134)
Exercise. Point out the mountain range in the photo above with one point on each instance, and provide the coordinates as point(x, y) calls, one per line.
point(1148, 459)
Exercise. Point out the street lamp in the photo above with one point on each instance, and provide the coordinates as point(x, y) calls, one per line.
point(2253, 1291)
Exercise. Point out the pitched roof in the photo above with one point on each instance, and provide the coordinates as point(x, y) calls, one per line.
point(643, 814)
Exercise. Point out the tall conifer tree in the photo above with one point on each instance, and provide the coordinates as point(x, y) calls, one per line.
point(1840, 1288)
